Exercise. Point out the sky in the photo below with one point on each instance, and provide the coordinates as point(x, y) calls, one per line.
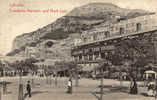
point(13, 24)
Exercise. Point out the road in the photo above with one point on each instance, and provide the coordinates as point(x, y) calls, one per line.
point(43, 89)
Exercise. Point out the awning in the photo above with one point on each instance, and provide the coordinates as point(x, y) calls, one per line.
point(149, 72)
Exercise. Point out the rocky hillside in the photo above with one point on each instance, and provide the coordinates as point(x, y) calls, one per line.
point(104, 11)
point(68, 27)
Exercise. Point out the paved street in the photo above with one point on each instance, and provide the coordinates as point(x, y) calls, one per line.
point(44, 91)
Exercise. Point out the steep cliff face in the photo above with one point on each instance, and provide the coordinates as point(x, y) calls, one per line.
point(79, 19)
point(21, 40)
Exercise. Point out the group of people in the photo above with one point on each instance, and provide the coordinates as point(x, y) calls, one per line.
point(133, 87)
point(152, 89)
point(28, 88)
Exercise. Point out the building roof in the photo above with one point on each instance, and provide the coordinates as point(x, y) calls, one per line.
point(150, 71)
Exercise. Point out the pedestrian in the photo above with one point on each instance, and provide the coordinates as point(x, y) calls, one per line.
point(28, 88)
point(133, 86)
point(150, 90)
point(93, 76)
point(79, 76)
point(69, 86)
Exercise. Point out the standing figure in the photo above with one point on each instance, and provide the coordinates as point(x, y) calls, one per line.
point(69, 86)
point(79, 76)
point(133, 86)
point(135, 89)
point(28, 88)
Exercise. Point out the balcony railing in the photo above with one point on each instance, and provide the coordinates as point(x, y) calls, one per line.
point(144, 30)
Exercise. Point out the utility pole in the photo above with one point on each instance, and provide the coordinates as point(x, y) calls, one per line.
point(56, 77)
point(101, 64)
point(76, 76)
point(101, 84)
point(20, 95)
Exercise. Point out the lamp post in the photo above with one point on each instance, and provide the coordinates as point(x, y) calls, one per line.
point(20, 95)
point(32, 78)
point(101, 82)
point(101, 63)
point(55, 75)
point(4, 83)
point(76, 75)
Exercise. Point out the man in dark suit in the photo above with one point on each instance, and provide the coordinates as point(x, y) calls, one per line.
point(28, 88)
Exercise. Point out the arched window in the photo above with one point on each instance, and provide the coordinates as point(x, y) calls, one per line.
point(107, 34)
point(85, 39)
point(80, 57)
point(95, 37)
point(90, 57)
point(121, 30)
point(138, 26)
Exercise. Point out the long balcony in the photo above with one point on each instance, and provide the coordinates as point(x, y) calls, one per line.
point(116, 36)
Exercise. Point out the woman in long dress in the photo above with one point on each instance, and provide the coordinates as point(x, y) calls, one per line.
point(133, 86)
point(135, 89)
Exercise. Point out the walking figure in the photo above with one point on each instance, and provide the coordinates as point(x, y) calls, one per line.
point(28, 88)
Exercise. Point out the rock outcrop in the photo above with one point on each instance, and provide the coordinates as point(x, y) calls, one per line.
point(68, 27)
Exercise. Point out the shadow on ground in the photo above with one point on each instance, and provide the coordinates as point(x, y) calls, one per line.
point(119, 89)
point(114, 89)
point(144, 94)
point(39, 92)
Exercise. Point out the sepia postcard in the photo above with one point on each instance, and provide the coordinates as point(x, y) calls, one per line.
point(78, 50)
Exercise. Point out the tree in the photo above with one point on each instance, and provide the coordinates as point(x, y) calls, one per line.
point(72, 68)
point(137, 51)
point(25, 65)
point(29, 64)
